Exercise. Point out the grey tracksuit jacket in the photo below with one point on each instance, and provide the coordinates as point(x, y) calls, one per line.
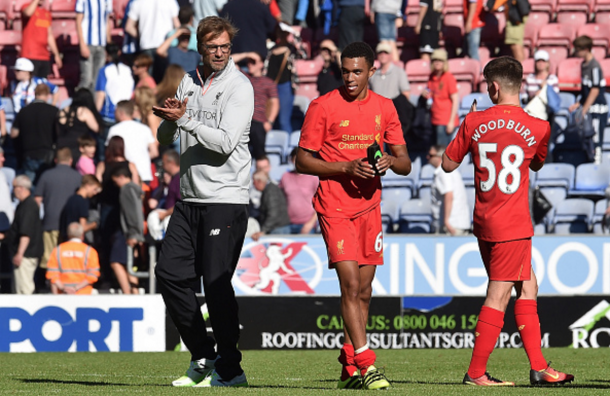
point(214, 133)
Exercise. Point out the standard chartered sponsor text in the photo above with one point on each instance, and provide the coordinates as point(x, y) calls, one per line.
point(361, 141)
point(436, 340)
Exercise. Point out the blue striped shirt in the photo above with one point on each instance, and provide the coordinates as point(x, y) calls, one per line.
point(94, 20)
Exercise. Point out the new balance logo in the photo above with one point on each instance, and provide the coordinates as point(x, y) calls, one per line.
point(215, 231)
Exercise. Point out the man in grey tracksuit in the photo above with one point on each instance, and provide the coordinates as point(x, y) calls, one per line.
point(211, 113)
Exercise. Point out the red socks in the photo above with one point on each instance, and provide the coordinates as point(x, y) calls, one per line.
point(487, 331)
point(365, 359)
point(526, 317)
point(346, 358)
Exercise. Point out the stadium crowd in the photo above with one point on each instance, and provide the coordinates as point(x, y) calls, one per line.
point(79, 145)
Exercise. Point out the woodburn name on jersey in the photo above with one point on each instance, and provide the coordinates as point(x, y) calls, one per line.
point(492, 125)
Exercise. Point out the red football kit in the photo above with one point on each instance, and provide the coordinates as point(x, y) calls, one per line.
point(503, 141)
point(35, 34)
point(341, 130)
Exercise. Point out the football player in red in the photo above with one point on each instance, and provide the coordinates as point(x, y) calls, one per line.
point(338, 129)
point(505, 143)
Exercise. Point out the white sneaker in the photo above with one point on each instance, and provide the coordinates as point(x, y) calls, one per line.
point(215, 380)
point(197, 372)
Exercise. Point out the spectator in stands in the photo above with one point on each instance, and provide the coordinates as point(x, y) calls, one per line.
point(450, 209)
point(93, 31)
point(24, 238)
point(86, 146)
point(169, 85)
point(73, 266)
point(352, 14)
point(131, 232)
point(181, 54)
point(76, 209)
point(150, 21)
point(592, 99)
point(7, 211)
point(114, 83)
point(541, 76)
point(141, 64)
point(442, 89)
point(131, 45)
point(34, 129)
point(387, 16)
point(389, 80)
point(2, 121)
point(254, 22)
point(24, 91)
point(428, 26)
point(186, 17)
point(473, 25)
point(299, 190)
point(171, 166)
point(55, 187)
point(514, 33)
point(38, 37)
point(109, 197)
point(206, 8)
point(330, 77)
point(273, 217)
point(145, 100)
point(140, 144)
point(78, 119)
point(279, 69)
point(266, 102)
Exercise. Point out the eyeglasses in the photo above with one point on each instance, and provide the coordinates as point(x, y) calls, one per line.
point(135, 65)
point(225, 48)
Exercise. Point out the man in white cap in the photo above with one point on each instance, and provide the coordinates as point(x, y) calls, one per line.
point(389, 80)
point(23, 92)
point(541, 76)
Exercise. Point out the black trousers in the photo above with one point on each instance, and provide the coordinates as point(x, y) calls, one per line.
point(204, 241)
point(351, 25)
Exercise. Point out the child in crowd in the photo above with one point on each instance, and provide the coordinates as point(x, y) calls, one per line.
point(86, 146)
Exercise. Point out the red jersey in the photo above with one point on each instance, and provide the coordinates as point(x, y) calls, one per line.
point(503, 141)
point(340, 130)
point(441, 88)
point(35, 40)
point(477, 21)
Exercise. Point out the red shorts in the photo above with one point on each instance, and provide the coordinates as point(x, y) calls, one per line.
point(359, 239)
point(507, 261)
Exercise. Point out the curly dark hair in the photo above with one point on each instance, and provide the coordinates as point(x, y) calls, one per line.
point(359, 49)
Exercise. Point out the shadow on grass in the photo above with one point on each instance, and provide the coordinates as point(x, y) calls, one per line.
point(86, 383)
point(567, 386)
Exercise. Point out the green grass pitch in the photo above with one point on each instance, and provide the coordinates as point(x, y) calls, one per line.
point(412, 372)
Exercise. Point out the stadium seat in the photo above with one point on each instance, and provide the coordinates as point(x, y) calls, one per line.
point(465, 69)
point(492, 33)
point(601, 6)
point(276, 172)
point(392, 199)
point(426, 176)
point(64, 31)
point(417, 88)
point(425, 193)
point(294, 140)
point(484, 58)
point(568, 74)
point(591, 180)
point(418, 70)
point(555, 34)
point(547, 6)
point(453, 30)
point(10, 38)
point(573, 215)
point(567, 100)
point(308, 70)
point(3, 78)
point(411, 181)
point(598, 217)
point(416, 217)
point(464, 89)
point(118, 8)
point(63, 9)
point(467, 172)
point(554, 195)
point(606, 141)
point(406, 37)
point(309, 90)
point(483, 102)
point(556, 175)
point(453, 7)
point(302, 102)
point(605, 65)
point(277, 143)
point(584, 6)
point(528, 67)
point(533, 25)
point(602, 17)
point(575, 19)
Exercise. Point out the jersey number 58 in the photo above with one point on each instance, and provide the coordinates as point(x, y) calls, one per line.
point(511, 160)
